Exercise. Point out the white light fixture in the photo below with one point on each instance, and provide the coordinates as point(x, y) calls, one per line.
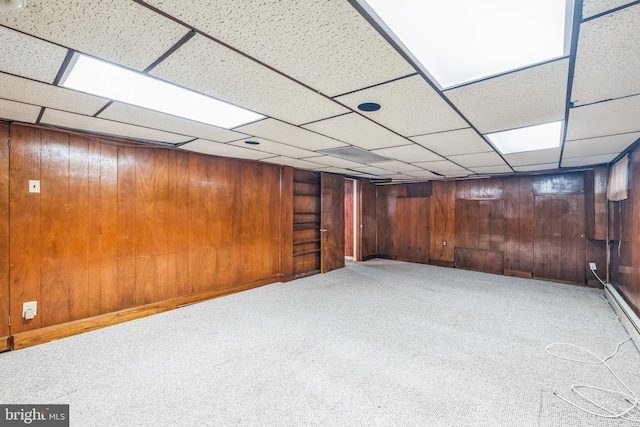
point(96, 77)
point(458, 41)
point(6, 5)
point(529, 138)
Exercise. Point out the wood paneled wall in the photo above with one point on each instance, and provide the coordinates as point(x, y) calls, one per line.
point(625, 248)
point(368, 218)
point(118, 226)
point(442, 223)
point(349, 213)
point(4, 236)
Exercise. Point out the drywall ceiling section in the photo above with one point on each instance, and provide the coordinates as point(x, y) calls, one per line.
point(587, 160)
point(528, 97)
point(356, 130)
point(224, 150)
point(29, 57)
point(46, 95)
point(596, 7)
point(462, 141)
point(604, 118)
point(107, 127)
point(608, 58)
point(11, 110)
point(210, 68)
point(291, 135)
point(333, 161)
point(598, 146)
point(478, 159)
point(548, 155)
point(327, 45)
point(409, 107)
point(140, 116)
point(288, 161)
point(275, 148)
point(120, 31)
point(408, 153)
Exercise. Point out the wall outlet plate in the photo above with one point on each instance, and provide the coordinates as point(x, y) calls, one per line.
point(592, 266)
point(29, 310)
point(34, 186)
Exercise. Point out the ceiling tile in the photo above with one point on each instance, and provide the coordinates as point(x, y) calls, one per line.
point(275, 148)
point(534, 168)
point(531, 96)
point(29, 57)
point(107, 127)
point(587, 160)
point(441, 166)
point(608, 58)
point(491, 169)
point(595, 7)
point(597, 146)
point(409, 107)
point(605, 118)
point(288, 161)
point(17, 111)
point(373, 170)
point(224, 150)
point(356, 130)
point(336, 170)
point(408, 153)
point(210, 68)
point(334, 161)
point(534, 157)
point(402, 177)
point(422, 174)
point(396, 166)
point(348, 53)
point(462, 141)
point(120, 31)
point(140, 116)
point(276, 130)
point(478, 159)
point(32, 92)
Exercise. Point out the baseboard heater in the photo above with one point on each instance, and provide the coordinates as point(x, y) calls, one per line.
point(626, 315)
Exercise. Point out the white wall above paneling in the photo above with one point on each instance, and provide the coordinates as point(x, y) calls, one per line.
point(29, 57)
point(17, 111)
point(215, 70)
point(409, 107)
point(224, 150)
point(605, 118)
point(327, 45)
point(462, 141)
point(549, 155)
point(598, 146)
point(120, 31)
point(528, 97)
point(608, 58)
point(291, 135)
point(275, 148)
point(408, 153)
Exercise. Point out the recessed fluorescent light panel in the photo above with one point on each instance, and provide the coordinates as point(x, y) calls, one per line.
point(96, 77)
point(458, 41)
point(530, 138)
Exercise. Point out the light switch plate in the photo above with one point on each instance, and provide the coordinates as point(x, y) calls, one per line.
point(34, 186)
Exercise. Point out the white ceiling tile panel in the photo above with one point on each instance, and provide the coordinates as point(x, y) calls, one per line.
point(608, 58)
point(597, 146)
point(491, 169)
point(288, 161)
point(534, 157)
point(275, 148)
point(396, 166)
point(588, 160)
point(462, 141)
point(605, 118)
point(455, 173)
point(408, 153)
point(401, 177)
point(441, 166)
point(140, 116)
point(595, 7)
point(421, 174)
point(333, 161)
point(102, 126)
point(408, 106)
point(224, 150)
point(120, 31)
point(32, 92)
point(276, 130)
point(336, 170)
point(17, 111)
point(348, 53)
point(215, 70)
point(524, 98)
point(29, 57)
point(533, 168)
point(478, 159)
point(373, 170)
point(356, 130)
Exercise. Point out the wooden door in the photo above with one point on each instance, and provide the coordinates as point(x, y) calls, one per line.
point(349, 212)
point(412, 229)
point(4, 237)
point(332, 222)
point(559, 243)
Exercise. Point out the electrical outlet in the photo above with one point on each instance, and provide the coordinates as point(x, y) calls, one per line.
point(34, 186)
point(592, 266)
point(444, 243)
point(29, 309)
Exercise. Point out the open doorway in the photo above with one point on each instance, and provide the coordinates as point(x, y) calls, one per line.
point(350, 219)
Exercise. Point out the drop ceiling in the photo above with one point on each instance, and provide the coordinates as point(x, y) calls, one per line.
point(306, 66)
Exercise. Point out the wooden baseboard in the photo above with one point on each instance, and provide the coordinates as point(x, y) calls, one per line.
point(50, 333)
point(517, 273)
point(5, 344)
point(439, 263)
point(625, 313)
point(286, 278)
